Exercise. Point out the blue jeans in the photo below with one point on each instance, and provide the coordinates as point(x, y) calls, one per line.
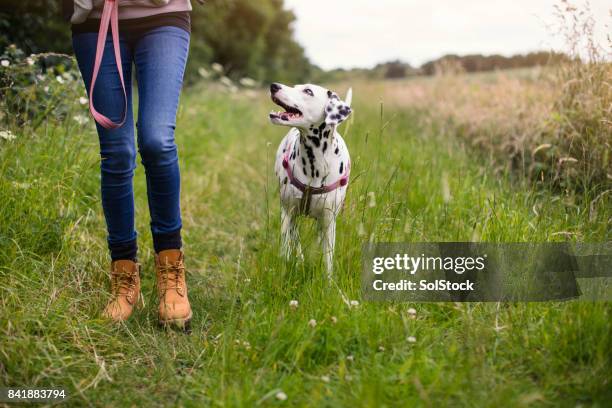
point(159, 56)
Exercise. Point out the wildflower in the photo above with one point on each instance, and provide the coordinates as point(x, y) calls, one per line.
point(247, 280)
point(80, 119)
point(30, 60)
point(334, 319)
point(281, 396)
point(217, 67)
point(412, 312)
point(325, 378)
point(203, 73)
point(350, 357)
point(372, 197)
point(83, 100)
point(40, 77)
point(59, 79)
point(46, 89)
point(7, 135)
point(5, 63)
point(348, 377)
point(381, 348)
point(411, 339)
point(312, 323)
point(247, 82)
point(293, 304)
point(354, 303)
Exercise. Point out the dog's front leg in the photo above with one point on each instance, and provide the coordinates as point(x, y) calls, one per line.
point(289, 235)
point(328, 240)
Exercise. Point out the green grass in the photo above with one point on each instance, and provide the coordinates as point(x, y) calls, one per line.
point(247, 343)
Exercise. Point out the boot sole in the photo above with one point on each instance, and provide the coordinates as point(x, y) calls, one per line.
point(183, 324)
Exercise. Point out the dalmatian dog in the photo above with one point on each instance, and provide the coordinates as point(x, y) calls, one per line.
point(312, 162)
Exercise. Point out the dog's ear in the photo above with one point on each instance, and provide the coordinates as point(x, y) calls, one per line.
point(336, 110)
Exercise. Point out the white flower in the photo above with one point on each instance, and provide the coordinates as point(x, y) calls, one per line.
point(334, 319)
point(5, 63)
point(40, 77)
point(217, 67)
point(411, 339)
point(354, 303)
point(325, 378)
point(350, 357)
point(381, 348)
point(59, 79)
point(80, 119)
point(247, 280)
point(312, 323)
point(30, 61)
point(203, 73)
point(293, 304)
point(247, 82)
point(83, 100)
point(46, 89)
point(281, 396)
point(412, 312)
point(7, 135)
point(226, 81)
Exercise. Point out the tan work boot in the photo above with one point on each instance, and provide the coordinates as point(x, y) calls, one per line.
point(174, 308)
point(125, 287)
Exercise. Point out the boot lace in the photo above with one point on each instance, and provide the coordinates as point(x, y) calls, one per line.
point(123, 281)
point(171, 276)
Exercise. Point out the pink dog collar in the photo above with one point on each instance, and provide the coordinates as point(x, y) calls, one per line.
point(305, 188)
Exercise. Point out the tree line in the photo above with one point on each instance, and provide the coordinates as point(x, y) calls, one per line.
point(249, 38)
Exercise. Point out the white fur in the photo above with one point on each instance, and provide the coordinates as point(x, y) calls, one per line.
point(319, 108)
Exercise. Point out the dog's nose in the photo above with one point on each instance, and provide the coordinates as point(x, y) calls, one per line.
point(275, 87)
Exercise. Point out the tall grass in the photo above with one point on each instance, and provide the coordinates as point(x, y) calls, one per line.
point(550, 124)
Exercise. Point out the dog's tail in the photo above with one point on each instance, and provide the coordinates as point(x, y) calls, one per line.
point(349, 97)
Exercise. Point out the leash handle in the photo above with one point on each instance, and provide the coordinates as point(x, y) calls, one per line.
point(110, 15)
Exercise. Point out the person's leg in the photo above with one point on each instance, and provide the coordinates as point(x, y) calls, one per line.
point(160, 56)
point(117, 147)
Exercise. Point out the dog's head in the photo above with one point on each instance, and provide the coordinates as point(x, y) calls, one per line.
point(307, 105)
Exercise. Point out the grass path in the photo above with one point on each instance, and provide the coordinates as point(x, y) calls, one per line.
point(409, 184)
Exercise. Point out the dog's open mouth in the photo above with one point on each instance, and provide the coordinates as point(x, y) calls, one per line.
point(290, 113)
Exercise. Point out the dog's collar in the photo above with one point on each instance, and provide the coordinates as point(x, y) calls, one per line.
point(308, 189)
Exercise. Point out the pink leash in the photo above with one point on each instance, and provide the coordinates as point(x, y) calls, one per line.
point(305, 188)
point(110, 14)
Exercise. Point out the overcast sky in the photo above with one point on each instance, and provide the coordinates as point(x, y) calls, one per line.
point(362, 33)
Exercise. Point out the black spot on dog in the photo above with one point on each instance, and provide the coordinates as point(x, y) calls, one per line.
point(312, 170)
point(341, 167)
point(315, 141)
point(322, 126)
point(315, 131)
point(328, 109)
point(317, 173)
point(303, 161)
point(329, 94)
point(304, 170)
point(285, 180)
point(337, 150)
point(324, 147)
point(326, 134)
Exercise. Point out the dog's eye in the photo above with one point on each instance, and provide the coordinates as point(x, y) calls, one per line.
point(308, 91)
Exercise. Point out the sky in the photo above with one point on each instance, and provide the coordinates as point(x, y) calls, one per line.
point(362, 33)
